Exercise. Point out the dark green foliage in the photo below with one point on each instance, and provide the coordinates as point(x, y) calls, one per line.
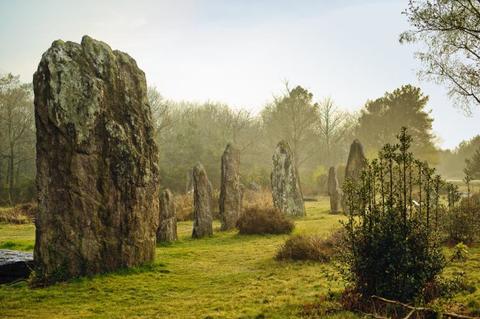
point(381, 119)
point(462, 221)
point(264, 221)
point(392, 248)
point(460, 252)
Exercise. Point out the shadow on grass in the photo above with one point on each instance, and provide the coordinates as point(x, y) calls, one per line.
point(16, 246)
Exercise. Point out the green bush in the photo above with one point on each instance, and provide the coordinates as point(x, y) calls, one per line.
point(460, 252)
point(392, 247)
point(462, 222)
point(264, 221)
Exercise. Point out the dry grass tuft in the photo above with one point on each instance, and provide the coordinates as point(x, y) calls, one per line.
point(309, 247)
point(184, 206)
point(260, 221)
point(19, 214)
point(257, 199)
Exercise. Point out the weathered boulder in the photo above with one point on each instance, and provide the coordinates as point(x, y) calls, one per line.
point(333, 190)
point(286, 191)
point(167, 229)
point(230, 189)
point(97, 174)
point(202, 203)
point(14, 265)
point(355, 165)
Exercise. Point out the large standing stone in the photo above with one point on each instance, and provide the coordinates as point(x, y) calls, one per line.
point(286, 192)
point(167, 229)
point(230, 188)
point(333, 190)
point(356, 161)
point(97, 174)
point(355, 165)
point(202, 203)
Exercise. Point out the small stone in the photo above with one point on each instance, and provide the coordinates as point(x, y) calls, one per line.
point(230, 189)
point(167, 229)
point(286, 191)
point(202, 201)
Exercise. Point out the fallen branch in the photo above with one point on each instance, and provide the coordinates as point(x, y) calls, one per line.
point(414, 310)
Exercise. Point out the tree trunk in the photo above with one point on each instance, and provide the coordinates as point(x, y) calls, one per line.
point(10, 177)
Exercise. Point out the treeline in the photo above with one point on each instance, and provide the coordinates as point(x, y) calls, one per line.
point(17, 141)
point(318, 131)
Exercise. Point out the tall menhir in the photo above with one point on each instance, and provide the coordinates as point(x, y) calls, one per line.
point(97, 174)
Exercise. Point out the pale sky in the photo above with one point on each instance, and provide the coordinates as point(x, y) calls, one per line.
point(240, 52)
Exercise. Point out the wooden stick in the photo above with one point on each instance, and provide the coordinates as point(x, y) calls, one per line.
point(415, 309)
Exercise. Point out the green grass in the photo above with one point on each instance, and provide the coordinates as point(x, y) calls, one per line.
point(225, 276)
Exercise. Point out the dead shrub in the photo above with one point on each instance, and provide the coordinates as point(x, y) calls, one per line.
point(257, 220)
point(28, 209)
point(314, 248)
point(254, 199)
point(20, 214)
point(184, 206)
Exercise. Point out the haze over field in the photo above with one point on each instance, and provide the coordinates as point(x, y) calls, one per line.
point(241, 52)
point(312, 158)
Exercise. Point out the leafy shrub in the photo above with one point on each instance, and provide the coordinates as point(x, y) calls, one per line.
point(462, 222)
point(392, 248)
point(302, 247)
point(460, 252)
point(257, 220)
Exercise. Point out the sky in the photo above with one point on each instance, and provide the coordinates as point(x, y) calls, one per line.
point(241, 52)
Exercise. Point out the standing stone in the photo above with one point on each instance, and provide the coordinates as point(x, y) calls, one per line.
point(167, 229)
point(333, 190)
point(356, 161)
point(286, 192)
point(97, 174)
point(355, 165)
point(202, 201)
point(230, 190)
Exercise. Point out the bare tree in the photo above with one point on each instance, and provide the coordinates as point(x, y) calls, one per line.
point(451, 31)
point(161, 110)
point(292, 118)
point(333, 126)
point(16, 126)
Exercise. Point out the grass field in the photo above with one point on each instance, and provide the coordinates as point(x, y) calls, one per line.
point(225, 276)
